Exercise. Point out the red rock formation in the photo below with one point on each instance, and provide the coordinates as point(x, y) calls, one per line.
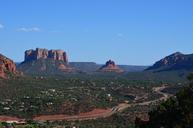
point(61, 67)
point(6, 65)
point(110, 66)
point(58, 55)
point(64, 68)
point(174, 61)
point(44, 54)
point(2, 73)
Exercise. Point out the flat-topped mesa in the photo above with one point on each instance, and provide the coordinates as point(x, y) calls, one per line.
point(45, 54)
point(110, 66)
point(6, 65)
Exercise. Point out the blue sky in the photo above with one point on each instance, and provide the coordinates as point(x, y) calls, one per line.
point(135, 32)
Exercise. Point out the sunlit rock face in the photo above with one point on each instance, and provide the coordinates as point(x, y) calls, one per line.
point(175, 61)
point(6, 66)
point(170, 60)
point(45, 62)
point(45, 54)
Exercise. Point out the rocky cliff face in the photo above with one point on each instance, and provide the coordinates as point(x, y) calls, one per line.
point(6, 65)
point(173, 62)
point(45, 62)
point(110, 66)
point(45, 54)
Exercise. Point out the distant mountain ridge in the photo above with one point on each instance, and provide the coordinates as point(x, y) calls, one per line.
point(88, 67)
point(85, 66)
point(133, 68)
point(175, 61)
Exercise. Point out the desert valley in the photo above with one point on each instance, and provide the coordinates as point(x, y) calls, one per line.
point(46, 87)
point(96, 64)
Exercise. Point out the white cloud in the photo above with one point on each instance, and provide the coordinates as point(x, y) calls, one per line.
point(1, 26)
point(32, 29)
point(120, 34)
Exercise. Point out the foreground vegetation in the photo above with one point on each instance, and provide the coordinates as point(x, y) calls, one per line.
point(30, 96)
point(176, 112)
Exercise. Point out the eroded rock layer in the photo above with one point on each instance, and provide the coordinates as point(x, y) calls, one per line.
point(6, 66)
point(45, 54)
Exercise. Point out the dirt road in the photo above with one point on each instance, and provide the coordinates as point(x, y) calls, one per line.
point(157, 90)
point(102, 113)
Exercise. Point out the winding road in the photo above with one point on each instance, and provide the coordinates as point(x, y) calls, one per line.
point(104, 113)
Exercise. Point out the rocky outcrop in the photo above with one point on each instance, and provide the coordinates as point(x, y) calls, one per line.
point(6, 66)
point(45, 54)
point(110, 66)
point(174, 61)
point(45, 62)
point(65, 68)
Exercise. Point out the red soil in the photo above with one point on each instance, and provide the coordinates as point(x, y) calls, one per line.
point(82, 116)
point(8, 118)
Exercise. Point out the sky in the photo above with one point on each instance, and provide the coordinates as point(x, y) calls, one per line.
point(132, 32)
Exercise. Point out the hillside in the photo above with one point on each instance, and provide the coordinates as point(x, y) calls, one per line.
point(7, 67)
point(132, 68)
point(45, 67)
point(176, 112)
point(85, 66)
point(176, 61)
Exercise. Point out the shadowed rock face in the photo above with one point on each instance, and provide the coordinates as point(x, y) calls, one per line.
point(6, 65)
point(45, 54)
point(110, 66)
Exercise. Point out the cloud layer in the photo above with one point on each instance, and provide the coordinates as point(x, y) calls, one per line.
point(32, 29)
